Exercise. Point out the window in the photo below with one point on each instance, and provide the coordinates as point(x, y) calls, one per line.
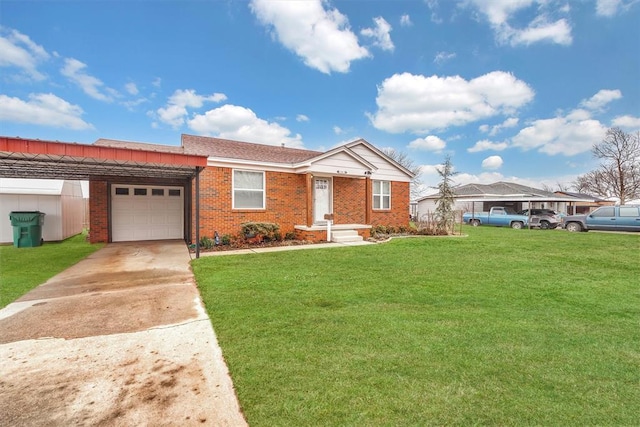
point(248, 190)
point(604, 212)
point(173, 192)
point(139, 191)
point(122, 191)
point(157, 191)
point(381, 195)
point(629, 211)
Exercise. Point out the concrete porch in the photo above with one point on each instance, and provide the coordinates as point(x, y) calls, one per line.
point(340, 233)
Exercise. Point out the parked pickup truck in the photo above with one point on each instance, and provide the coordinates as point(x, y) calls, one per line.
point(611, 218)
point(497, 216)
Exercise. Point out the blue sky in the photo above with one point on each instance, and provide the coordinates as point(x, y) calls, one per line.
point(515, 90)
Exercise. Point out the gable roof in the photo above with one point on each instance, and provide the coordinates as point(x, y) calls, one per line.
point(225, 151)
point(228, 149)
point(381, 154)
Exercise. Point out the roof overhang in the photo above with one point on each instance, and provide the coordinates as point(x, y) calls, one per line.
point(28, 158)
point(520, 199)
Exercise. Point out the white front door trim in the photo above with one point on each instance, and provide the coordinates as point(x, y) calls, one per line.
point(322, 198)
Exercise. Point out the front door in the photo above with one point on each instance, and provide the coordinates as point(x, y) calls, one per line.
point(321, 199)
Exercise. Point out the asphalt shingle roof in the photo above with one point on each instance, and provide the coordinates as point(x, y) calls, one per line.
point(139, 146)
point(227, 149)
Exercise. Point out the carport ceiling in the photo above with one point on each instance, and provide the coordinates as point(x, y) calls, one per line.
point(25, 158)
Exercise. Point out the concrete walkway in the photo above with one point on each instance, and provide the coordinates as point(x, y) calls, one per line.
point(119, 339)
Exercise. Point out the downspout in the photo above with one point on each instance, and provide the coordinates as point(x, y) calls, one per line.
point(198, 170)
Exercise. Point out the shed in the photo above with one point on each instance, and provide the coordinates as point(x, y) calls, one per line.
point(61, 201)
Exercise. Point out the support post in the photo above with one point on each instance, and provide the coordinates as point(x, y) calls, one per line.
point(198, 170)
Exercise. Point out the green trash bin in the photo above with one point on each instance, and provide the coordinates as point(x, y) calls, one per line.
point(27, 228)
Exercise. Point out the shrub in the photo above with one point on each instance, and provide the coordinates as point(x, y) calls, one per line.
point(290, 235)
point(206, 242)
point(262, 230)
point(225, 239)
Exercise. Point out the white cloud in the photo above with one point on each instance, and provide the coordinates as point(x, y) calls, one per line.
point(405, 21)
point(18, 50)
point(500, 13)
point(568, 135)
point(320, 36)
point(494, 130)
point(131, 88)
point(486, 145)
point(175, 112)
point(627, 122)
point(492, 162)
point(338, 130)
point(43, 109)
point(157, 82)
point(240, 123)
point(429, 143)
point(92, 86)
point(419, 104)
point(302, 118)
point(442, 57)
point(610, 8)
point(380, 34)
point(558, 32)
point(601, 99)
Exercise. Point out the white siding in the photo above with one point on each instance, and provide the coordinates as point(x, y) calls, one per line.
point(339, 164)
point(61, 202)
point(386, 171)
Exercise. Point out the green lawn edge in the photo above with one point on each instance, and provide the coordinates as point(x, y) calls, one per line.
point(22, 269)
point(505, 327)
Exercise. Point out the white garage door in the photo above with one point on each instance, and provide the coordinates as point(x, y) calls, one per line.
point(141, 212)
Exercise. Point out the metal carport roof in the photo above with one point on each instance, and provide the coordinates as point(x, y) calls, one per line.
point(28, 158)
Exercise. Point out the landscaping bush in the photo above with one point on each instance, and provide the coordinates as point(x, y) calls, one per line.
point(263, 231)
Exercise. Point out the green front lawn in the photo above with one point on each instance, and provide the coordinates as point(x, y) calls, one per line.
point(503, 327)
point(22, 269)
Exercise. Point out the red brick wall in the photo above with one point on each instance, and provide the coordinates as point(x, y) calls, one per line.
point(349, 200)
point(399, 212)
point(285, 202)
point(98, 211)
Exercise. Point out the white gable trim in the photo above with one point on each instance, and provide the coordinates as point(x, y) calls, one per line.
point(381, 155)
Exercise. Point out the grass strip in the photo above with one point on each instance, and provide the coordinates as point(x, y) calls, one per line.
point(22, 269)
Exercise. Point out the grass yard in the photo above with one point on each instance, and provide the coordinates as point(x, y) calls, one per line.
point(503, 327)
point(22, 269)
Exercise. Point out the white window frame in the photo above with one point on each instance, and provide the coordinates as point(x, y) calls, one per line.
point(233, 189)
point(381, 195)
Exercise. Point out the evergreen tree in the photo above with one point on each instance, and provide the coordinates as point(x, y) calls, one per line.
point(445, 214)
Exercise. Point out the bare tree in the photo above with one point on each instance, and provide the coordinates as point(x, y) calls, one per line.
point(445, 214)
point(408, 163)
point(619, 173)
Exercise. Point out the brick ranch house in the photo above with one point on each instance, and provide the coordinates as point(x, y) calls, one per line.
point(242, 182)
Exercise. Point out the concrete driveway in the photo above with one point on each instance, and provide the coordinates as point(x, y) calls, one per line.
point(119, 339)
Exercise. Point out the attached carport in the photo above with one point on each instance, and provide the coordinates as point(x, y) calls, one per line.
point(133, 193)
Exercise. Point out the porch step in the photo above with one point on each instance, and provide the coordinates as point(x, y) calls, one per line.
point(345, 236)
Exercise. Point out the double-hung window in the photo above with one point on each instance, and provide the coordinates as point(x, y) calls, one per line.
point(381, 195)
point(248, 190)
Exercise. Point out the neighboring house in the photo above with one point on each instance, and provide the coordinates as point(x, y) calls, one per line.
point(482, 197)
point(61, 201)
point(355, 183)
point(587, 203)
